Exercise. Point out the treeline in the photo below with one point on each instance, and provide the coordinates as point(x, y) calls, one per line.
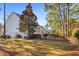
point(62, 18)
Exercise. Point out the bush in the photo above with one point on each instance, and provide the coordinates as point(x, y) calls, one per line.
point(77, 35)
point(75, 30)
point(7, 36)
point(18, 36)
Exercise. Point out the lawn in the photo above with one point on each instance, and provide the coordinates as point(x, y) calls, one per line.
point(36, 47)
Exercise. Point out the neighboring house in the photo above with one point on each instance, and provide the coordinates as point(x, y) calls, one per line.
point(40, 30)
point(12, 25)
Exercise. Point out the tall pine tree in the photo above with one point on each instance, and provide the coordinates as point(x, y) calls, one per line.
point(28, 20)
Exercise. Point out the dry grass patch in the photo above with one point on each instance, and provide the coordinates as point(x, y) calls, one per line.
point(36, 47)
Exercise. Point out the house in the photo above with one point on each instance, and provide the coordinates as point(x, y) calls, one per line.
point(40, 30)
point(12, 25)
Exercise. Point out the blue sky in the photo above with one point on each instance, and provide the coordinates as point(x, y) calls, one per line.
point(38, 9)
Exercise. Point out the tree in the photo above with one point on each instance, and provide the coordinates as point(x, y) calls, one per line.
point(1, 26)
point(61, 12)
point(4, 20)
point(55, 15)
point(28, 20)
point(0, 23)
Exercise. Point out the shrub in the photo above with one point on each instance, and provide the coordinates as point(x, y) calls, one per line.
point(75, 33)
point(7, 36)
point(18, 36)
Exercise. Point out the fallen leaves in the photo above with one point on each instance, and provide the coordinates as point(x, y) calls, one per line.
point(25, 47)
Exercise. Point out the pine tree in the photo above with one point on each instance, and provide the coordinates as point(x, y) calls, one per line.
point(60, 12)
point(28, 20)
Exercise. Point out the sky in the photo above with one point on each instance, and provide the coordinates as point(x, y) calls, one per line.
point(38, 9)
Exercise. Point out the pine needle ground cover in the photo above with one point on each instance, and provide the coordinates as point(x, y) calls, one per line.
point(35, 47)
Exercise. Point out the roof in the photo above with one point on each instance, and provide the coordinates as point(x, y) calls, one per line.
point(41, 27)
point(11, 15)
